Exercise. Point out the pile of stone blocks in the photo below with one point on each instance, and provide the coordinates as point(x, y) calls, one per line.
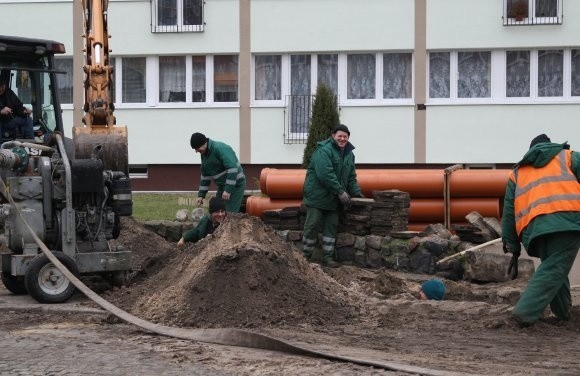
point(289, 218)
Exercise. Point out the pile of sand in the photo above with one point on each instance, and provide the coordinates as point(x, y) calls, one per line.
point(244, 275)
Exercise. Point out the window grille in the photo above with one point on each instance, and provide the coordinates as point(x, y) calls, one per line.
point(297, 120)
point(532, 12)
point(177, 16)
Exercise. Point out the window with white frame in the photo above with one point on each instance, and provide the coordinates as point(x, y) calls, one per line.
point(517, 83)
point(134, 80)
point(530, 12)
point(504, 76)
point(172, 79)
point(268, 77)
point(64, 81)
point(361, 76)
point(177, 15)
point(327, 71)
point(225, 80)
point(397, 75)
point(575, 68)
point(474, 74)
point(198, 79)
point(300, 105)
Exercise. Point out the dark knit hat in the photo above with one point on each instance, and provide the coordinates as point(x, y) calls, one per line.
point(197, 140)
point(215, 204)
point(433, 289)
point(341, 127)
point(539, 139)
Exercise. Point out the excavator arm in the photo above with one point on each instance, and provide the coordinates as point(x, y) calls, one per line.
point(99, 135)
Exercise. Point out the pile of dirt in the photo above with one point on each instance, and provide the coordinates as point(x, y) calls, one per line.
point(244, 275)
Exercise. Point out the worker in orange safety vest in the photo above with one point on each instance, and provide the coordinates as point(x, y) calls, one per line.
point(542, 211)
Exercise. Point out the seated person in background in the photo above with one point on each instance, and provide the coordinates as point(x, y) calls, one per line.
point(15, 120)
point(207, 224)
point(432, 289)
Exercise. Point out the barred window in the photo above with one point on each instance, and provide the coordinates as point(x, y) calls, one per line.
point(177, 15)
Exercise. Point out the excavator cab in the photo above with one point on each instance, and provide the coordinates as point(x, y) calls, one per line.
point(27, 71)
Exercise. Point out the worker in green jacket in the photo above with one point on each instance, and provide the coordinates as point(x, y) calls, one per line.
point(207, 224)
point(220, 164)
point(330, 183)
point(542, 211)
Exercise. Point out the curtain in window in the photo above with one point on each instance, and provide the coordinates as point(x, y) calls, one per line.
point(397, 75)
point(300, 66)
point(172, 78)
point(361, 73)
point(64, 81)
point(546, 8)
point(550, 73)
point(517, 74)
point(328, 71)
point(134, 74)
point(474, 74)
point(268, 77)
point(198, 78)
point(576, 73)
point(192, 12)
point(439, 69)
point(166, 12)
point(225, 82)
point(113, 91)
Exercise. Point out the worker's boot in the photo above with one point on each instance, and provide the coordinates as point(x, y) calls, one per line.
point(328, 250)
point(308, 247)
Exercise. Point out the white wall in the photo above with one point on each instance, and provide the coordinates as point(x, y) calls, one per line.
point(496, 133)
point(337, 25)
point(453, 24)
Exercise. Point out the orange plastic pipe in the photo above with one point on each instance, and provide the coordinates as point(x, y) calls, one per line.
point(422, 210)
point(289, 183)
point(478, 183)
point(432, 209)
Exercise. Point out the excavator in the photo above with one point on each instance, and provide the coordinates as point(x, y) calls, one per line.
point(66, 193)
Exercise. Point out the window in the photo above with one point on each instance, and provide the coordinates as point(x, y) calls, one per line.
point(439, 69)
point(328, 71)
point(225, 78)
point(530, 12)
point(300, 88)
point(361, 73)
point(517, 74)
point(512, 76)
point(474, 74)
point(576, 73)
point(172, 79)
point(550, 73)
point(198, 79)
point(133, 85)
point(177, 15)
point(268, 77)
point(64, 81)
point(397, 73)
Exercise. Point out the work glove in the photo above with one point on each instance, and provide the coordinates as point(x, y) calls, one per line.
point(513, 267)
point(344, 199)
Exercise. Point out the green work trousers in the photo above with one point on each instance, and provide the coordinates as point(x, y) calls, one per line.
point(234, 204)
point(317, 219)
point(549, 284)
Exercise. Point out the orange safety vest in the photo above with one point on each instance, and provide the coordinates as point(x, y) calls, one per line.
point(544, 190)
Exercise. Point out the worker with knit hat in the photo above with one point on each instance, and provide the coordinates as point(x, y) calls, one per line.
point(433, 289)
point(207, 224)
point(542, 211)
point(220, 164)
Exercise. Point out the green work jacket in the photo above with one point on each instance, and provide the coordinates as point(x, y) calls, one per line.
point(203, 228)
point(220, 164)
point(331, 171)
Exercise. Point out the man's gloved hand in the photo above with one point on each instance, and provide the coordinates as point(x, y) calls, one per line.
point(513, 268)
point(344, 199)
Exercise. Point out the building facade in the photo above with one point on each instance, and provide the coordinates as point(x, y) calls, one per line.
point(419, 83)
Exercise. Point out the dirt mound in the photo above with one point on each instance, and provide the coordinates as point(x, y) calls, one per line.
point(243, 275)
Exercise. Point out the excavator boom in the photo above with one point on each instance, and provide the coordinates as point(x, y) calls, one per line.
point(99, 134)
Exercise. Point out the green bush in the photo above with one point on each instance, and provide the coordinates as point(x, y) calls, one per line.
point(325, 117)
